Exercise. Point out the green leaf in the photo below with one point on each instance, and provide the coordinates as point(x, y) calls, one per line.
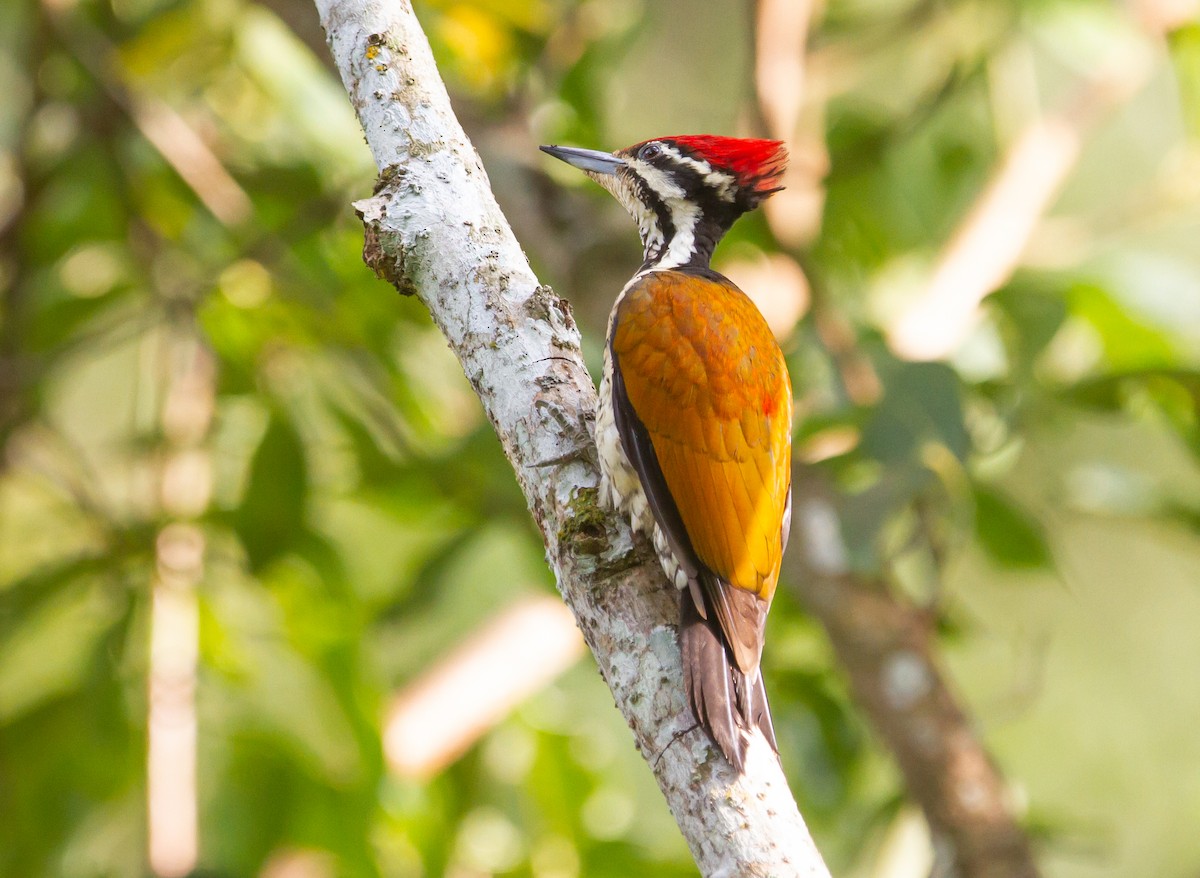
point(1176, 393)
point(921, 404)
point(863, 515)
point(272, 515)
point(1032, 319)
point(50, 654)
point(1128, 343)
point(1185, 54)
point(1010, 535)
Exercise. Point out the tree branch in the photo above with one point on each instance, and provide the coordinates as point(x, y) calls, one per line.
point(886, 645)
point(990, 241)
point(430, 723)
point(433, 229)
point(887, 649)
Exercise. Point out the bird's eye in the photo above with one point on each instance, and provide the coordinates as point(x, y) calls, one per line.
point(649, 151)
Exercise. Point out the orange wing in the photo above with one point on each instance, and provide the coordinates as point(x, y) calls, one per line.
point(706, 379)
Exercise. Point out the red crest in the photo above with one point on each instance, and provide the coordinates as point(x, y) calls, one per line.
point(757, 164)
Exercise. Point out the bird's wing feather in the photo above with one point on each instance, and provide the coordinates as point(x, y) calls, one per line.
point(699, 378)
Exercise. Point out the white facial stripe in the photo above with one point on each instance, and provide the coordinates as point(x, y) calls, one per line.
point(719, 180)
point(684, 215)
point(660, 181)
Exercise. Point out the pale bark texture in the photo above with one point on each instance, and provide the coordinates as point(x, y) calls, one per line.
point(433, 229)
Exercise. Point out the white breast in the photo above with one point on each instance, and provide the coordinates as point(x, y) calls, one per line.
point(620, 487)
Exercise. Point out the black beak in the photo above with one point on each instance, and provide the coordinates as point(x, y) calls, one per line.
point(592, 160)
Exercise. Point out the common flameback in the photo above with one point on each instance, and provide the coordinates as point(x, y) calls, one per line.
point(694, 422)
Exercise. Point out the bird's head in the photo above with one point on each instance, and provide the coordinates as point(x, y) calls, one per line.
point(684, 191)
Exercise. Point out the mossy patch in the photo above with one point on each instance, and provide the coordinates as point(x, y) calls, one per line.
point(583, 527)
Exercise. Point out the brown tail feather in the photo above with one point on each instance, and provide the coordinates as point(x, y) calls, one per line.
point(756, 709)
point(726, 703)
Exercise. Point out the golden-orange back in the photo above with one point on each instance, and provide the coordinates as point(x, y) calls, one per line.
point(706, 378)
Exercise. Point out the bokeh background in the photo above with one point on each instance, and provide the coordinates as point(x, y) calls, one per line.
point(253, 525)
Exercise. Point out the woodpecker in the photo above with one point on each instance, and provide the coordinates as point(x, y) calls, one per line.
point(694, 422)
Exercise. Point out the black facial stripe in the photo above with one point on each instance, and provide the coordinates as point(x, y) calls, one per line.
point(662, 213)
point(697, 190)
point(746, 195)
point(715, 214)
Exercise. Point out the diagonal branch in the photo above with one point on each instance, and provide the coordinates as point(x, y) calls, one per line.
point(434, 230)
point(988, 245)
point(888, 650)
point(885, 645)
point(162, 126)
point(431, 723)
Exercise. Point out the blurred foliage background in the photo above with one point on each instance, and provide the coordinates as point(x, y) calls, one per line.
point(246, 496)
